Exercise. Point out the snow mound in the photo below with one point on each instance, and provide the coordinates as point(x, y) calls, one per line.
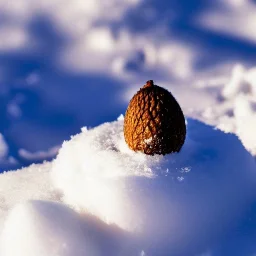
point(165, 201)
point(52, 228)
point(45, 228)
point(245, 114)
point(233, 104)
point(26, 184)
point(241, 93)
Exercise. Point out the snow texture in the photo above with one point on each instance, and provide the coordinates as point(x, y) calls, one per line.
point(48, 79)
point(28, 183)
point(162, 200)
point(237, 113)
point(111, 200)
point(49, 228)
point(65, 65)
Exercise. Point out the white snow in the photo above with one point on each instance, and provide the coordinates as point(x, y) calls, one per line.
point(185, 191)
point(39, 155)
point(52, 228)
point(237, 18)
point(133, 204)
point(45, 228)
point(13, 37)
point(92, 36)
point(245, 116)
point(60, 59)
point(228, 104)
point(25, 184)
point(106, 43)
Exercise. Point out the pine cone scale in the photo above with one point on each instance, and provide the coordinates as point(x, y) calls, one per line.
point(154, 122)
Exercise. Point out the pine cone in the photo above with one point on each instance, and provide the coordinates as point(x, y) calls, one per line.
point(154, 122)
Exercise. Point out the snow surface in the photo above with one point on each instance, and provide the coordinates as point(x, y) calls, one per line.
point(65, 65)
point(47, 228)
point(83, 52)
point(19, 188)
point(110, 200)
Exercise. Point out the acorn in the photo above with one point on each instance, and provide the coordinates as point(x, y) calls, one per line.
point(154, 122)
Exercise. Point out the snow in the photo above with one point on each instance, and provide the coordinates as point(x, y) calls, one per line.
point(246, 122)
point(66, 65)
point(138, 204)
point(5, 159)
point(38, 155)
point(232, 19)
point(237, 113)
point(13, 37)
point(54, 229)
point(50, 228)
point(17, 187)
point(186, 191)
point(3, 147)
point(48, 79)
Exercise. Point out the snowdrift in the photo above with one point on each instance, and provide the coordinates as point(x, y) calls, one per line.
point(110, 200)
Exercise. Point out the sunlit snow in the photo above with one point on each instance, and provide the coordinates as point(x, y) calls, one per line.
point(71, 64)
point(155, 202)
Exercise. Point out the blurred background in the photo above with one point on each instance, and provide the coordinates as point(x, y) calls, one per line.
point(69, 64)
